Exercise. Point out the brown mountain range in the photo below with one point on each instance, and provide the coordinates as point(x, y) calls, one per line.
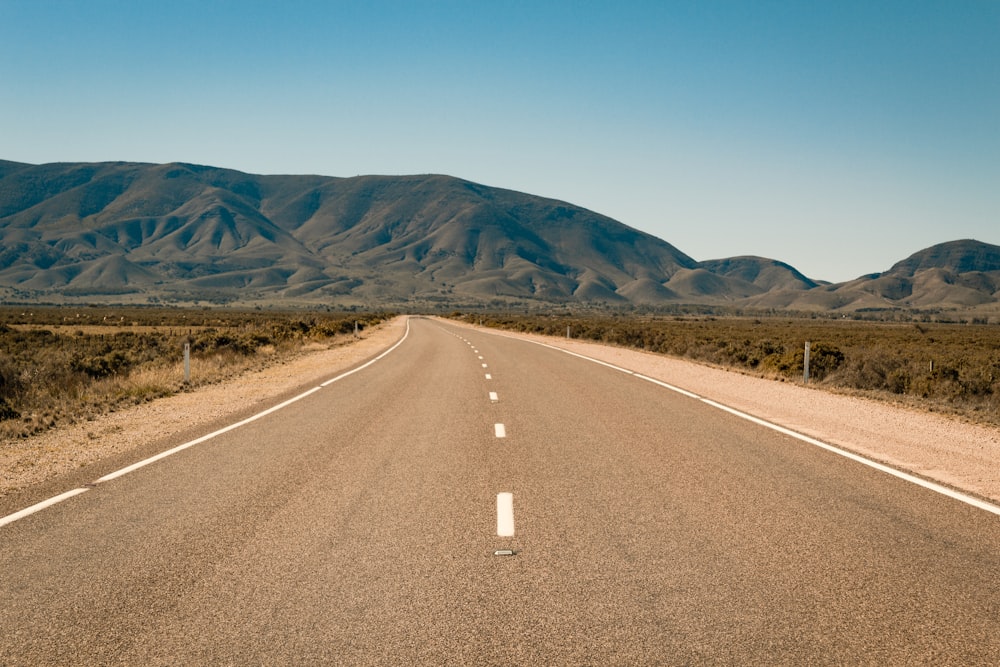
point(128, 232)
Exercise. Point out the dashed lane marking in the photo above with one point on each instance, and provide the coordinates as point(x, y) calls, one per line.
point(505, 514)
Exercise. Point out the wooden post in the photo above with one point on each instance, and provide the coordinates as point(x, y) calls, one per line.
point(805, 365)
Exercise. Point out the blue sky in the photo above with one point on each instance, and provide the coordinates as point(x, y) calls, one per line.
point(836, 136)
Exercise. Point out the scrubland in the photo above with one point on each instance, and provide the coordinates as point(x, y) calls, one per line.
point(63, 365)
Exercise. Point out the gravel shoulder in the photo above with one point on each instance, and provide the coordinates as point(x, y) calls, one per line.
point(938, 447)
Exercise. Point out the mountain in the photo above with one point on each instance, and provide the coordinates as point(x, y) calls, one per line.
point(183, 233)
point(959, 273)
point(956, 257)
point(956, 275)
point(765, 274)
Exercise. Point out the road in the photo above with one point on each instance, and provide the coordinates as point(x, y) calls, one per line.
point(359, 525)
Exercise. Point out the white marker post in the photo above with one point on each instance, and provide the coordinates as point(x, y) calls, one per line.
point(187, 362)
point(805, 365)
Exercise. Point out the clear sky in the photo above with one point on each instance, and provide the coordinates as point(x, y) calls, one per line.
point(839, 136)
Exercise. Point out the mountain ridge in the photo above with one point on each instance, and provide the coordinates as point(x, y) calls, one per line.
point(181, 232)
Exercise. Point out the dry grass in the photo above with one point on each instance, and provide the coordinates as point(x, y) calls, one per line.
point(53, 374)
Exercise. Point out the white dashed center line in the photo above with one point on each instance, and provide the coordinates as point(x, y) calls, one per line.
point(505, 514)
point(494, 397)
point(500, 430)
point(489, 377)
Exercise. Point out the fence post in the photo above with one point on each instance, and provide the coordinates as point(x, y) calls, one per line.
point(805, 365)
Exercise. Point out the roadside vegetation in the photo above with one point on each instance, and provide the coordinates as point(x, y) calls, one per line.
point(64, 365)
point(945, 367)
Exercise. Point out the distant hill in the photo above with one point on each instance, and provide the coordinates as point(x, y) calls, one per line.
point(958, 274)
point(181, 233)
point(765, 274)
point(956, 257)
point(185, 231)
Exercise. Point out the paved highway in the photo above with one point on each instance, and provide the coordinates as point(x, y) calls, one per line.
point(359, 525)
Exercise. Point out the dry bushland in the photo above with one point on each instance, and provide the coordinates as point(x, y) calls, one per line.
point(61, 365)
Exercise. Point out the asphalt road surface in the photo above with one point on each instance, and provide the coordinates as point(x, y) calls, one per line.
point(359, 525)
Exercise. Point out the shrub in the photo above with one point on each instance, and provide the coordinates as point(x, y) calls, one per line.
point(47, 376)
point(6, 411)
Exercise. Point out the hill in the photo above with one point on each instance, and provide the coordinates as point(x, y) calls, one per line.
point(183, 233)
point(960, 274)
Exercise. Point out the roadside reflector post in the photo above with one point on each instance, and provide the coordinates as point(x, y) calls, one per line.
point(567, 333)
point(805, 365)
point(187, 362)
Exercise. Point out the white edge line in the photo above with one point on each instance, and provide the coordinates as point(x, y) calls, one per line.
point(919, 481)
point(196, 441)
point(366, 365)
point(28, 511)
point(11, 518)
point(671, 387)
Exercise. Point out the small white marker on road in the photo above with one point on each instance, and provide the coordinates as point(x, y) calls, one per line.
point(480, 356)
point(505, 514)
point(494, 397)
point(489, 377)
point(500, 430)
point(485, 366)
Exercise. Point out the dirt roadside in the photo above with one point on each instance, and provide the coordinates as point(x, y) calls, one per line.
point(937, 447)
